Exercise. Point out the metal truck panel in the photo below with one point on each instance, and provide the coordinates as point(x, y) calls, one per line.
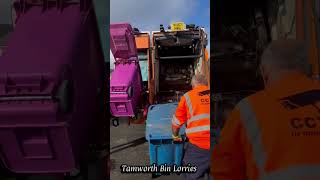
point(143, 47)
point(144, 69)
point(142, 41)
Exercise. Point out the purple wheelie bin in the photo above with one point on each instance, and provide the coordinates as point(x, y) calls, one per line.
point(126, 80)
point(50, 78)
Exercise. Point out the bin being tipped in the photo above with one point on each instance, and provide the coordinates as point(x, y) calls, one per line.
point(51, 78)
point(126, 85)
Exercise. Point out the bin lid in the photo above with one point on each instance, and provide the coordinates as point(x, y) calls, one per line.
point(159, 121)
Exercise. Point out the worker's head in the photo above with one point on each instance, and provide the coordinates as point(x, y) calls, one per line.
point(198, 80)
point(283, 57)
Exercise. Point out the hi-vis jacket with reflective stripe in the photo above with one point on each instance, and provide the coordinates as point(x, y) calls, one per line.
point(272, 135)
point(194, 111)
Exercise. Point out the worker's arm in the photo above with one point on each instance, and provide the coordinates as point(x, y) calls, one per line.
point(180, 116)
point(175, 131)
point(228, 159)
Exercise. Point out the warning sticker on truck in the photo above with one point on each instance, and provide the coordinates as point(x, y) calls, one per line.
point(178, 26)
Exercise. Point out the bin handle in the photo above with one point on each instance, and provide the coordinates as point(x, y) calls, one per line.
point(156, 148)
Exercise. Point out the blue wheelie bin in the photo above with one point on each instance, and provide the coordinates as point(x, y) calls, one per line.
point(162, 149)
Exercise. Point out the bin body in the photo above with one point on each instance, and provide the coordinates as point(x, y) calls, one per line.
point(125, 89)
point(126, 81)
point(50, 78)
point(162, 149)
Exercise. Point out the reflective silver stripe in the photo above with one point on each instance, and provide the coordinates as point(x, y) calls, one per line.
point(250, 124)
point(294, 173)
point(198, 117)
point(198, 129)
point(188, 100)
point(175, 120)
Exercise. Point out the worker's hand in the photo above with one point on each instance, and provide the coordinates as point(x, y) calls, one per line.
point(176, 138)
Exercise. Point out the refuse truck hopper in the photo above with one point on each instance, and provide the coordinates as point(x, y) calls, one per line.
point(177, 55)
point(50, 78)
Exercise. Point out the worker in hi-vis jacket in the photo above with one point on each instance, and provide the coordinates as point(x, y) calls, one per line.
point(274, 134)
point(194, 111)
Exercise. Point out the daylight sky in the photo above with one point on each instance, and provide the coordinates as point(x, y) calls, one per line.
point(147, 15)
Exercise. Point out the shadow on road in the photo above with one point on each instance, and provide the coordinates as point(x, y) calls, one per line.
point(130, 144)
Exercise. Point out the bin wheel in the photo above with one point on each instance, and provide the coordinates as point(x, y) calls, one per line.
point(115, 122)
point(64, 95)
point(130, 91)
point(155, 175)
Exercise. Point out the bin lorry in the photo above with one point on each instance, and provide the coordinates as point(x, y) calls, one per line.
point(52, 80)
point(170, 58)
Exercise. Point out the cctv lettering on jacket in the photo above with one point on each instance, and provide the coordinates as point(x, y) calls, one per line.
point(308, 125)
point(306, 122)
point(309, 98)
point(205, 97)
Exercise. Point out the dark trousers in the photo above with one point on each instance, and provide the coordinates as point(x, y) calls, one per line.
point(196, 157)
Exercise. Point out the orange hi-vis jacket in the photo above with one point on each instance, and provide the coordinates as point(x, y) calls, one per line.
point(272, 135)
point(206, 55)
point(194, 111)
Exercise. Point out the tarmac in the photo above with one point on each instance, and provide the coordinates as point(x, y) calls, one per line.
point(129, 146)
point(94, 173)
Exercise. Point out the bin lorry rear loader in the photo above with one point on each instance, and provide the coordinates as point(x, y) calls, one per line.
point(172, 56)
